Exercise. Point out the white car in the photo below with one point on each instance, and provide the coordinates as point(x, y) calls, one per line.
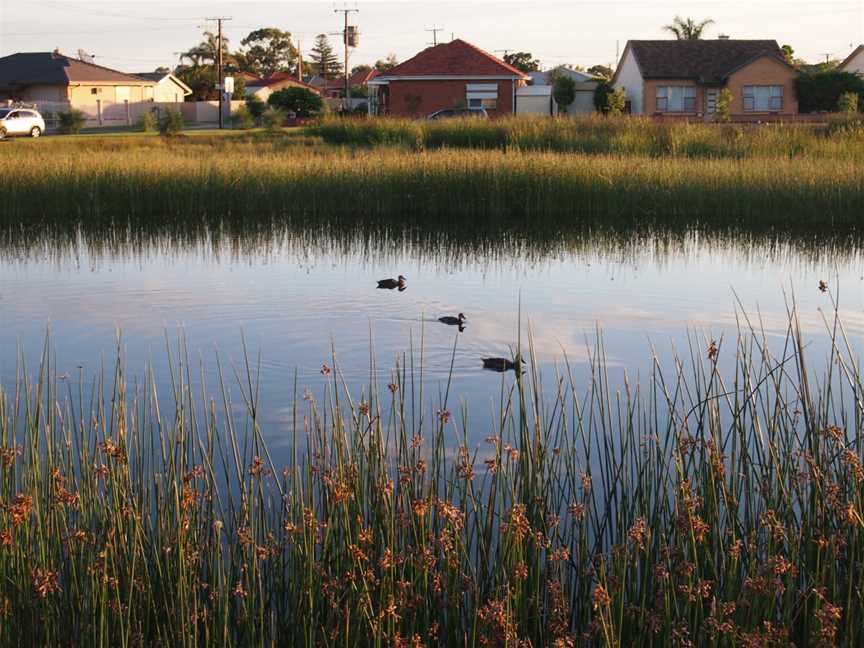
point(21, 121)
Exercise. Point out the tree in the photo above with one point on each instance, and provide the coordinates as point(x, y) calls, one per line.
point(324, 60)
point(382, 65)
point(687, 28)
point(207, 51)
point(563, 91)
point(300, 101)
point(269, 50)
point(601, 71)
point(361, 68)
point(522, 61)
point(162, 70)
point(788, 54)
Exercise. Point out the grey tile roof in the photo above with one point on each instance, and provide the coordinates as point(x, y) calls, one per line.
point(47, 68)
point(707, 61)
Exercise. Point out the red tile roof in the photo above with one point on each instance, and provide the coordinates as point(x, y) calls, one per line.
point(280, 77)
point(456, 58)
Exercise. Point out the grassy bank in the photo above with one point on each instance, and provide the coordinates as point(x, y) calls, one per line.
point(840, 138)
point(717, 503)
point(151, 181)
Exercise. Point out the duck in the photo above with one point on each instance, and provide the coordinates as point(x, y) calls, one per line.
point(453, 321)
point(390, 284)
point(503, 364)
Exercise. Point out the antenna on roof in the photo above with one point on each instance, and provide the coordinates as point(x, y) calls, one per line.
point(434, 31)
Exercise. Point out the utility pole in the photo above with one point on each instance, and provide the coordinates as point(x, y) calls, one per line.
point(299, 62)
point(219, 64)
point(434, 31)
point(345, 12)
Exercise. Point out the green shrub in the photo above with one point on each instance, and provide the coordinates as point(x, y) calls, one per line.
point(299, 101)
point(171, 122)
point(273, 119)
point(616, 102)
point(723, 112)
point(147, 122)
point(242, 118)
point(72, 121)
point(601, 96)
point(848, 103)
point(821, 91)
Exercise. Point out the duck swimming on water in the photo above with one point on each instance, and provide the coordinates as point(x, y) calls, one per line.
point(503, 364)
point(390, 284)
point(453, 321)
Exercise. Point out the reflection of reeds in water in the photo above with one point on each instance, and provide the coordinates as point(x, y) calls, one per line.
point(719, 502)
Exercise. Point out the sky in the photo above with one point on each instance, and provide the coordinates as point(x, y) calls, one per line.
point(136, 36)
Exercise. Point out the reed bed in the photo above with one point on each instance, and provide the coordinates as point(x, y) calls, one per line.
point(596, 135)
point(151, 181)
point(716, 502)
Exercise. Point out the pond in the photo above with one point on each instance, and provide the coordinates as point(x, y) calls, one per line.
point(297, 296)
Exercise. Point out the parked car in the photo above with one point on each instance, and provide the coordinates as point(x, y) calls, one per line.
point(449, 113)
point(21, 121)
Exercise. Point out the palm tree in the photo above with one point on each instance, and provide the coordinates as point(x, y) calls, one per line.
point(688, 29)
point(207, 51)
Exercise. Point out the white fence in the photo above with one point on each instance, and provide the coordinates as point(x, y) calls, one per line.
point(108, 113)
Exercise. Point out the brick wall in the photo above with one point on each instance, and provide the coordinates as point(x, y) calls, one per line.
point(420, 98)
point(764, 71)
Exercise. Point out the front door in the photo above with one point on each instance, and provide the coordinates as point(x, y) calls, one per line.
point(711, 102)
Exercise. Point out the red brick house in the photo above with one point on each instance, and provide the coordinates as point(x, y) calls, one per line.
point(335, 88)
point(449, 75)
point(263, 88)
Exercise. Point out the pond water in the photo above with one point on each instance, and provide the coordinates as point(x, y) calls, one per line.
point(295, 296)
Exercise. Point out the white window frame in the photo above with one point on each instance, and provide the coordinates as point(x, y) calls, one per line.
point(482, 95)
point(675, 99)
point(763, 98)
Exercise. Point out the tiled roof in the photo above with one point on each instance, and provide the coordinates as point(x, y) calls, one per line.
point(280, 77)
point(48, 68)
point(456, 58)
point(706, 61)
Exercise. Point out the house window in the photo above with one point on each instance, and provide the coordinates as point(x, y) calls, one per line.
point(763, 98)
point(676, 99)
point(488, 104)
point(95, 91)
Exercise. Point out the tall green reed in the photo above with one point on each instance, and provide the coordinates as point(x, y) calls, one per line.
point(717, 501)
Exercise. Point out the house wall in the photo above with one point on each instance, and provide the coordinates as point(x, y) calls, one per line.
point(417, 98)
point(82, 94)
point(764, 71)
point(166, 91)
point(856, 64)
point(629, 77)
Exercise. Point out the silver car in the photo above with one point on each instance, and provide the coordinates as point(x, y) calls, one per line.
point(21, 121)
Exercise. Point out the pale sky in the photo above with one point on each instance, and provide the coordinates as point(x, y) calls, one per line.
point(138, 36)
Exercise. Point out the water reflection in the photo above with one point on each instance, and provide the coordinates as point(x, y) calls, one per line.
point(304, 294)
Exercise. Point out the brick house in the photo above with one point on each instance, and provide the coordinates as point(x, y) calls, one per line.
point(335, 88)
point(683, 79)
point(449, 75)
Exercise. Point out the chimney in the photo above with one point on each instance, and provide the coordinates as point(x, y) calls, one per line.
point(56, 53)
